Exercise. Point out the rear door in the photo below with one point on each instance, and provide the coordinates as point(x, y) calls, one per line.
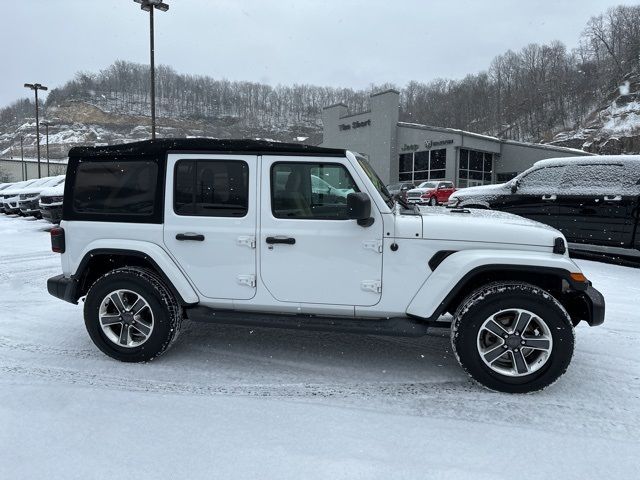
point(210, 222)
point(536, 195)
point(593, 207)
point(310, 252)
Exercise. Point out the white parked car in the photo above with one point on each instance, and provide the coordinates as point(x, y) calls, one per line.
point(29, 200)
point(3, 186)
point(11, 195)
point(231, 232)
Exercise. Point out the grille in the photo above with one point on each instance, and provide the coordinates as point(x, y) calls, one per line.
point(414, 195)
point(48, 200)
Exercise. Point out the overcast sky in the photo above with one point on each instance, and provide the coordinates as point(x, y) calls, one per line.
point(349, 43)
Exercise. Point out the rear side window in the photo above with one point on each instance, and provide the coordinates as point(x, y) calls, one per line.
point(115, 188)
point(211, 188)
point(594, 178)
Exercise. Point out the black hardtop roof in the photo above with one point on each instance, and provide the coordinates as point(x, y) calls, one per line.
point(161, 146)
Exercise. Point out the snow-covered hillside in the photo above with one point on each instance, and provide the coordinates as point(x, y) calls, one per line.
point(242, 403)
point(86, 123)
point(612, 128)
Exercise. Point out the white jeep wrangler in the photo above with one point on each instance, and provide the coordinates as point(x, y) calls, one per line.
point(278, 235)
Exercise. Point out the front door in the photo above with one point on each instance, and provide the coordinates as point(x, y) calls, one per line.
point(210, 222)
point(535, 196)
point(310, 252)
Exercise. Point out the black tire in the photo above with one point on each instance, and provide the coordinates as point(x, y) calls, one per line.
point(433, 202)
point(494, 298)
point(167, 313)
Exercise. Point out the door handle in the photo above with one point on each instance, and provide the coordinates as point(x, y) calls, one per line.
point(613, 198)
point(195, 237)
point(284, 240)
point(549, 197)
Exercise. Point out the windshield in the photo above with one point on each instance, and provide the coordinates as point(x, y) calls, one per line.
point(427, 185)
point(375, 179)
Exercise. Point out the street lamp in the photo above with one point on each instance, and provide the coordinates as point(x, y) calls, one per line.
point(35, 87)
point(47, 124)
point(150, 6)
point(24, 168)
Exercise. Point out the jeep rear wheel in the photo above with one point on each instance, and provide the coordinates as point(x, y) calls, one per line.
point(512, 337)
point(131, 315)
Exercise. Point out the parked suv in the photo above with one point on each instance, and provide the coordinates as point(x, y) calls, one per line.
point(11, 195)
point(50, 203)
point(593, 201)
point(29, 199)
point(157, 231)
point(431, 193)
point(3, 186)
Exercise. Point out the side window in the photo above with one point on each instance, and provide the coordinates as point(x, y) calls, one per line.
point(542, 180)
point(310, 190)
point(593, 179)
point(211, 188)
point(115, 188)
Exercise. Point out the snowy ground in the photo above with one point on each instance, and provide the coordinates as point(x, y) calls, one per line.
point(231, 402)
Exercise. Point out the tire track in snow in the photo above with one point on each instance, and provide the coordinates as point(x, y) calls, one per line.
point(426, 399)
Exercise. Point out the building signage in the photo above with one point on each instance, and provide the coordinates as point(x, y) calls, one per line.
point(354, 125)
point(430, 143)
point(410, 148)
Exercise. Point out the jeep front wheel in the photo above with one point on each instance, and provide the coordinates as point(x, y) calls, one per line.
point(131, 315)
point(512, 337)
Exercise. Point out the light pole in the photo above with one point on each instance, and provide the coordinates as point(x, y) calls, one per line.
point(47, 124)
point(24, 176)
point(150, 6)
point(35, 87)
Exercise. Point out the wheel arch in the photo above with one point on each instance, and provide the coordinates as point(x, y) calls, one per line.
point(460, 274)
point(99, 261)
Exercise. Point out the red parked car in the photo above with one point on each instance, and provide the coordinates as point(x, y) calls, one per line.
point(433, 192)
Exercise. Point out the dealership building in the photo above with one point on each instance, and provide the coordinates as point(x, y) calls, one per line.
point(401, 151)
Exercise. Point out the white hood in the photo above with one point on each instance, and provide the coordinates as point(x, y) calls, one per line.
point(56, 191)
point(484, 226)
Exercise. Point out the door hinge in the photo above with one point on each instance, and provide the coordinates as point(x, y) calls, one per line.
point(372, 286)
point(248, 241)
point(375, 245)
point(249, 280)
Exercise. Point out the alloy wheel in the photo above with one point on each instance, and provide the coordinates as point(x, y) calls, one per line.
point(514, 342)
point(126, 318)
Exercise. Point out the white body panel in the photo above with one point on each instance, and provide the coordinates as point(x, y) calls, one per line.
point(84, 237)
point(331, 260)
point(217, 265)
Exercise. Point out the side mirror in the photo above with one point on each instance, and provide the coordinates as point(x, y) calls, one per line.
point(359, 205)
point(514, 186)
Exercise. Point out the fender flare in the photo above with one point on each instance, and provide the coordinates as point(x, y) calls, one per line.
point(154, 254)
point(451, 275)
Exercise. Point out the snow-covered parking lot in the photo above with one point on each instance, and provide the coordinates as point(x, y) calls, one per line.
point(229, 402)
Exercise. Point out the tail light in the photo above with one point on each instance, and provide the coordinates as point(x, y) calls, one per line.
point(57, 240)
